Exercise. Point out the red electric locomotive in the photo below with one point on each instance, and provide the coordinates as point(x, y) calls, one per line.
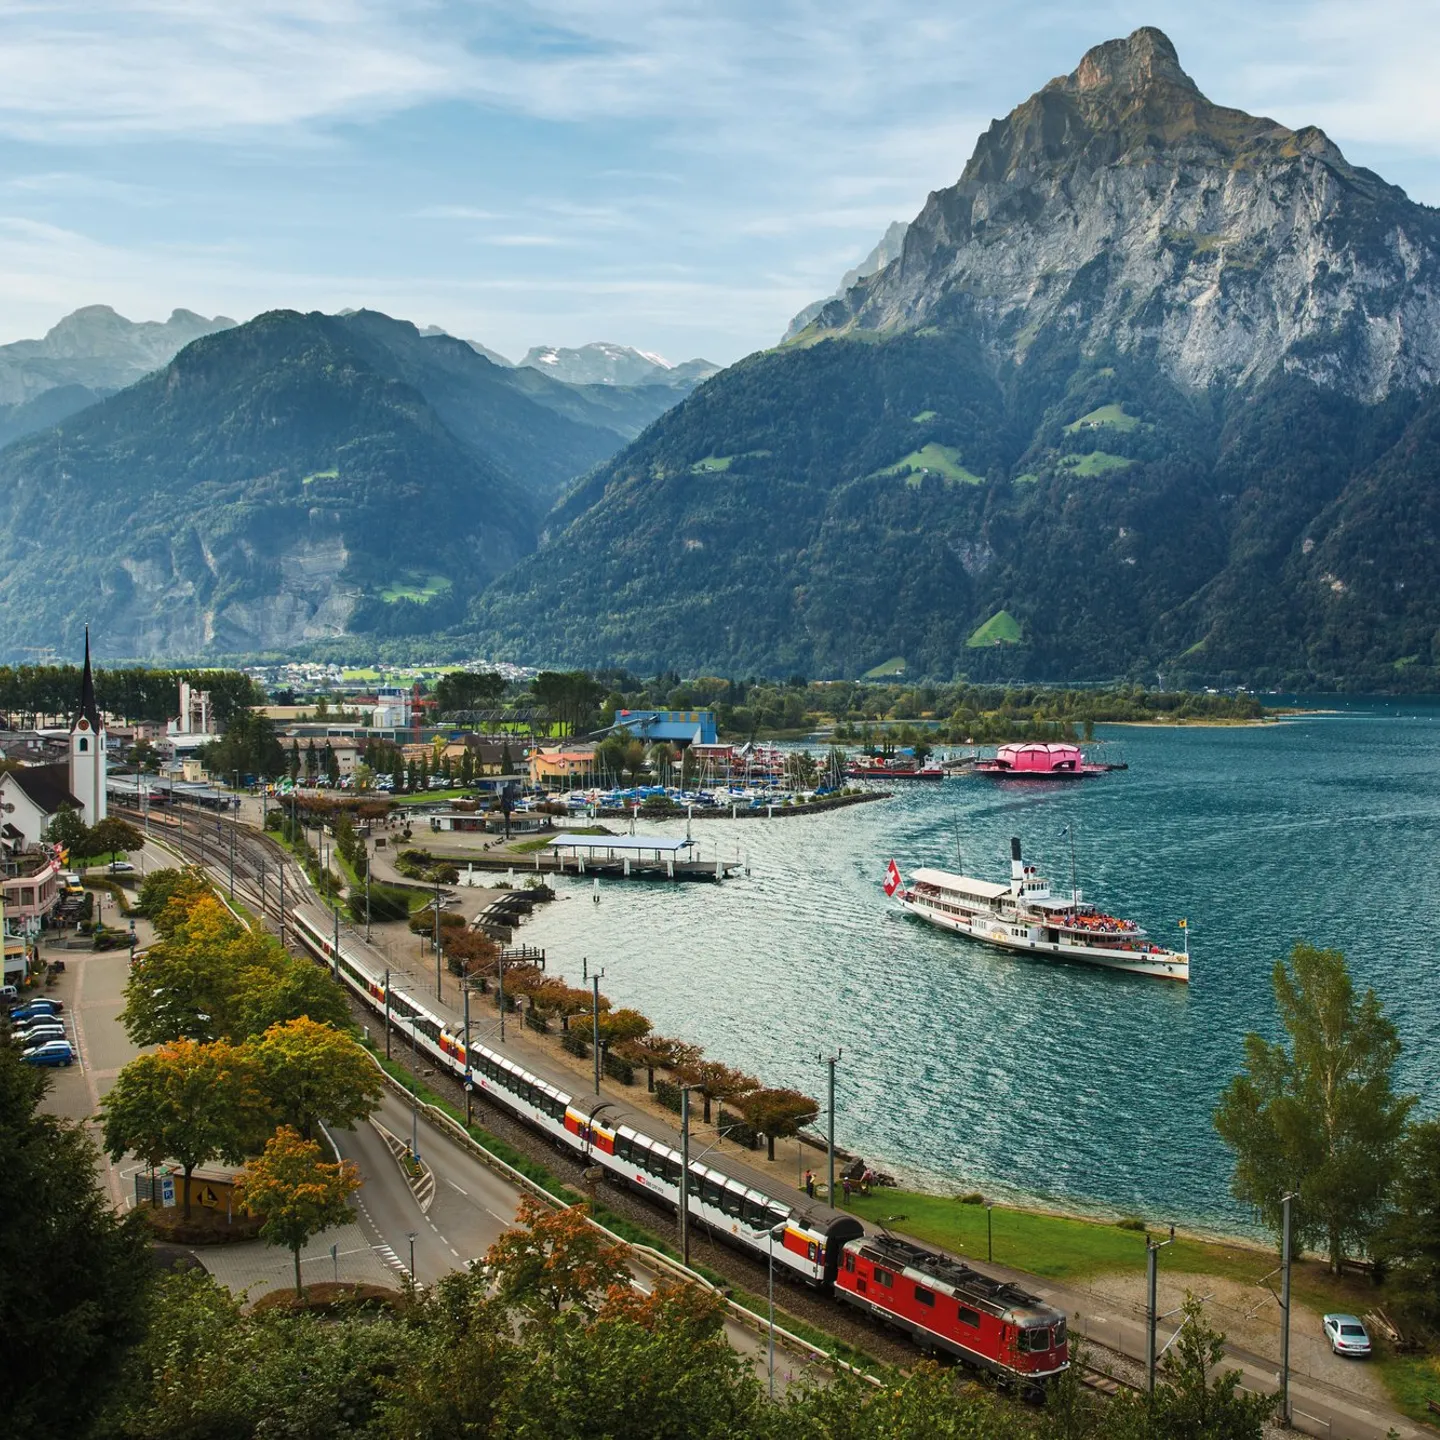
point(945, 1305)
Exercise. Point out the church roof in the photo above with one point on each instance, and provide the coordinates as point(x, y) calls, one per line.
point(88, 708)
point(47, 786)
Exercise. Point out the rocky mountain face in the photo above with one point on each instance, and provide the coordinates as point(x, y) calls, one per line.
point(98, 350)
point(296, 478)
point(1151, 388)
point(888, 249)
point(600, 363)
point(1120, 208)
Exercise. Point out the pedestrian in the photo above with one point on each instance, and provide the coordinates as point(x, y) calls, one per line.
point(810, 1183)
point(845, 1182)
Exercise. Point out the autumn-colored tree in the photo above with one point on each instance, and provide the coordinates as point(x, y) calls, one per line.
point(651, 1051)
point(186, 1102)
point(470, 952)
point(283, 987)
point(295, 1193)
point(555, 1261)
point(312, 1074)
point(618, 1026)
point(715, 1081)
point(159, 887)
point(777, 1114)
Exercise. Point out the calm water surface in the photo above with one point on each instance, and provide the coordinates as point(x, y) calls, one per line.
point(967, 1068)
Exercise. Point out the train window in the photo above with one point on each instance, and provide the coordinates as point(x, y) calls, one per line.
point(884, 1277)
point(672, 1172)
point(924, 1296)
point(734, 1200)
point(849, 1261)
point(712, 1191)
point(1035, 1341)
point(1059, 1333)
point(752, 1214)
point(969, 1317)
point(622, 1146)
point(777, 1217)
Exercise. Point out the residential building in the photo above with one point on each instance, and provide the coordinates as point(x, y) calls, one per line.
point(565, 768)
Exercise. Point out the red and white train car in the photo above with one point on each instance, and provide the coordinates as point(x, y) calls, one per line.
point(945, 1305)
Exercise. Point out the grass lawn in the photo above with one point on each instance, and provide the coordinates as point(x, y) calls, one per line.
point(1002, 628)
point(1097, 462)
point(1112, 416)
point(711, 465)
point(415, 587)
point(888, 669)
point(1411, 1381)
point(943, 460)
point(320, 475)
point(923, 416)
point(1028, 478)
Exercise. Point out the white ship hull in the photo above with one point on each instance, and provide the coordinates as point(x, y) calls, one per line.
point(1000, 930)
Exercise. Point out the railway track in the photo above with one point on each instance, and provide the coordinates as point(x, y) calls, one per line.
point(257, 862)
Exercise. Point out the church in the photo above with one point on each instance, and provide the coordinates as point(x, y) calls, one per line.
point(33, 795)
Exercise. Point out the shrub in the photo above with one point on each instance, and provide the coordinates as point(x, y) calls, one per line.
point(618, 1068)
point(973, 1198)
point(668, 1095)
point(387, 902)
point(1130, 1222)
point(573, 1043)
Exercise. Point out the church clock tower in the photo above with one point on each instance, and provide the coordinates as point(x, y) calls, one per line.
point(87, 749)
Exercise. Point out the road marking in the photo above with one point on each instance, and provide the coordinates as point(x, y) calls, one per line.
point(500, 1218)
point(454, 1186)
point(452, 1249)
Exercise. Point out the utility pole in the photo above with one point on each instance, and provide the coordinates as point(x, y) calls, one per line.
point(500, 967)
point(830, 1060)
point(1285, 1309)
point(465, 993)
point(335, 952)
point(437, 939)
point(387, 1012)
point(595, 1024)
point(1152, 1251)
point(232, 858)
point(367, 892)
point(685, 1175)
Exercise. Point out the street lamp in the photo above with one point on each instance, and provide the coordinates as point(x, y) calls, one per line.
point(776, 1233)
point(989, 1232)
point(410, 1235)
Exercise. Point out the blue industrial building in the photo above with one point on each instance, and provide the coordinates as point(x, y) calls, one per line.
point(682, 727)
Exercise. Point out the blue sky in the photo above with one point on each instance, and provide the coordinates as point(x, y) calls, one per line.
point(679, 176)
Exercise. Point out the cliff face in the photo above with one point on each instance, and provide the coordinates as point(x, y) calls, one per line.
point(1118, 207)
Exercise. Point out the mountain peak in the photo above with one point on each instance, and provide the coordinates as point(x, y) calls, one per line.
point(1142, 59)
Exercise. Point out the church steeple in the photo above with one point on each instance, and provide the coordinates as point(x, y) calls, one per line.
point(87, 749)
point(88, 708)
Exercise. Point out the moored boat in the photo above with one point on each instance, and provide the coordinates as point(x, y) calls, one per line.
point(1025, 916)
point(1035, 761)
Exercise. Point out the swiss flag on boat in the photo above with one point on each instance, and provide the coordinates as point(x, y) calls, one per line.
point(892, 878)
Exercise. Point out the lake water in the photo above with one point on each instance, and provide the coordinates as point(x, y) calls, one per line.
point(965, 1068)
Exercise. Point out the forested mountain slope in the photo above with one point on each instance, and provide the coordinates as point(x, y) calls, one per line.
point(1150, 388)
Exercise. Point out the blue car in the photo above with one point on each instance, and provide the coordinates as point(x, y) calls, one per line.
point(52, 1052)
point(35, 1010)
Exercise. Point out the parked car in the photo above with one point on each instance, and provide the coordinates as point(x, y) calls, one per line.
point(1346, 1335)
point(121, 867)
point(52, 1052)
point(38, 1035)
point(33, 1009)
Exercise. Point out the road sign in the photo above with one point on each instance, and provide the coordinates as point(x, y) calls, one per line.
point(167, 1191)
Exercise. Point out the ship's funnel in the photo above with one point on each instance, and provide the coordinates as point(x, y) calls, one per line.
point(1017, 865)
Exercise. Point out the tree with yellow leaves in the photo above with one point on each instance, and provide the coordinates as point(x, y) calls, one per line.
point(315, 1075)
point(295, 1193)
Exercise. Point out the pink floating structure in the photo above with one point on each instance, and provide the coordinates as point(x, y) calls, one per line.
point(1058, 761)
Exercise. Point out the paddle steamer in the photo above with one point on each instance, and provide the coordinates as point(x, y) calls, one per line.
point(1024, 915)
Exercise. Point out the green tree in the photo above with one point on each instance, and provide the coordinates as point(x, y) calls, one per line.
point(282, 988)
point(296, 1193)
point(314, 1075)
point(716, 1081)
point(159, 887)
point(1194, 1399)
point(67, 829)
point(185, 1102)
point(113, 836)
point(777, 1114)
point(1409, 1242)
point(1320, 1118)
point(459, 690)
point(74, 1276)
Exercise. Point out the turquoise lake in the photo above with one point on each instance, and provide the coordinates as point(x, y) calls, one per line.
point(965, 1068)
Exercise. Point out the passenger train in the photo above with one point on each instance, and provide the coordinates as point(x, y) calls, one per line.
point(943, 1304)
